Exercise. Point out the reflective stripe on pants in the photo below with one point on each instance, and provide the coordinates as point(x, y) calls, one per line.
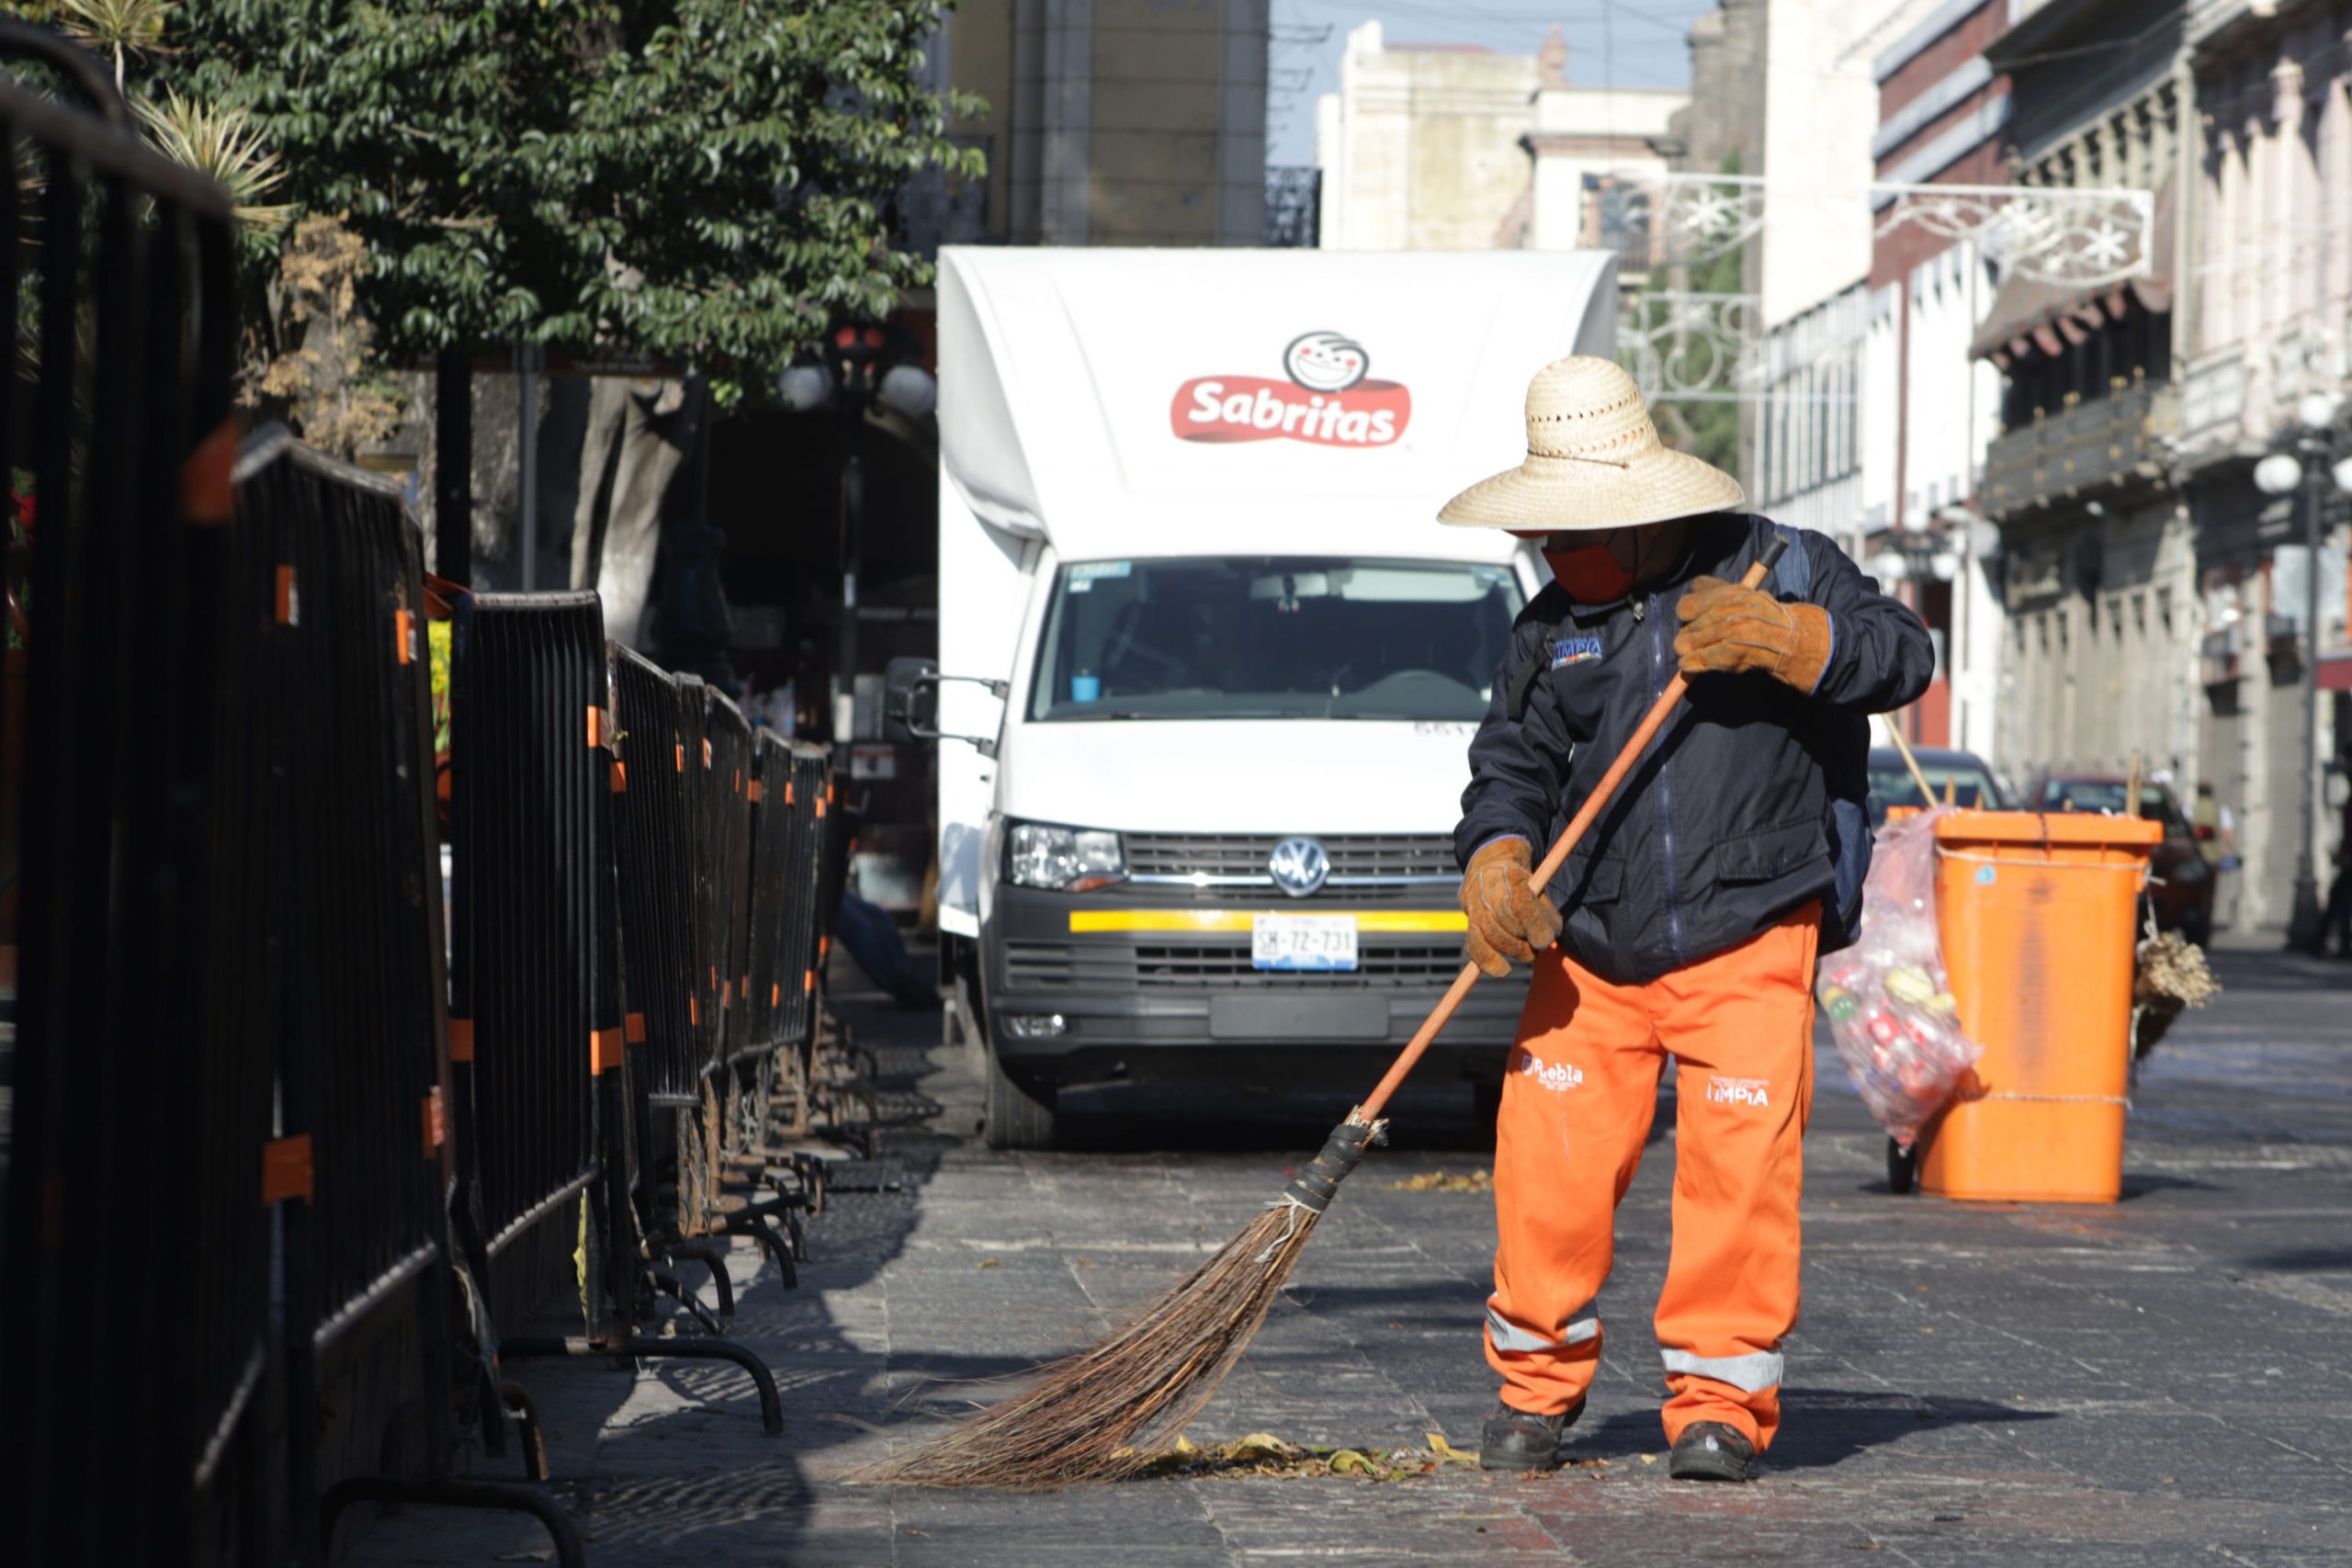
point(1510, 1339)
point(1752, 1373)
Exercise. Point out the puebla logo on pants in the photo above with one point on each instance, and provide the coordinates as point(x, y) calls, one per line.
point(1328, 400)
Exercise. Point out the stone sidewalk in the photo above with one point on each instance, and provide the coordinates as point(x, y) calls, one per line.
point(2162, 1381)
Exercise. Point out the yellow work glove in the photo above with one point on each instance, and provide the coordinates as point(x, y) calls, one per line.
point(1510, 917)
point(1727, 627)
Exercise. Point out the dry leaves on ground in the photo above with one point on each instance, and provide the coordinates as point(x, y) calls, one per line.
point(1446, 1181)
point(1263, 1454)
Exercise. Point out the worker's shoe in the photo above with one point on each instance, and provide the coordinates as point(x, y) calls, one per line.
point(1513, 1440)
point(1710, 1450)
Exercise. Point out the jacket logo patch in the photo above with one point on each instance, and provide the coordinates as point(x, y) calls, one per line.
point(1557, 1076)
point(1739, 1091)
point(1575, 650)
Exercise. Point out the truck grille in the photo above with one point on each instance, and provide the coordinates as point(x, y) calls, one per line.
point(1364, 866)
point(1222, 965)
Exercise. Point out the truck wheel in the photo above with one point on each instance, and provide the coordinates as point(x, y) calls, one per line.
point(1016, 1118)
point(1901, 1168)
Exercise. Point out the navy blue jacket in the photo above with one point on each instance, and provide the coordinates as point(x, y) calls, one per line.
point(1727, 822)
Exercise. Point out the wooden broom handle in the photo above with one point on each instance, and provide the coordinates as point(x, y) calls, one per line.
point(1570, 836)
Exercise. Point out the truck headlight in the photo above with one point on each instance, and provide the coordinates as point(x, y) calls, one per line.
point(1068, 860)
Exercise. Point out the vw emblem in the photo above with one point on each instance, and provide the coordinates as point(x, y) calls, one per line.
point(1299, 866)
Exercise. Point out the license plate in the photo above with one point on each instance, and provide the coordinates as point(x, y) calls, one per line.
point(1303, 941)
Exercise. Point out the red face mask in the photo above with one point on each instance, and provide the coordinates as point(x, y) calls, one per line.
point(1590, 575)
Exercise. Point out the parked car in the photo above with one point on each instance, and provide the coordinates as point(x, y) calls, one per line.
point(2181, 883)
point(1971, 782)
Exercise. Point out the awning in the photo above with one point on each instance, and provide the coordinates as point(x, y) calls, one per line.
point(2030, 316)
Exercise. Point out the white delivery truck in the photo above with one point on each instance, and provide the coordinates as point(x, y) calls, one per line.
point(1208, 665)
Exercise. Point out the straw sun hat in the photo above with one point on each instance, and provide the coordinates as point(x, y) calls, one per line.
point(1594, 460)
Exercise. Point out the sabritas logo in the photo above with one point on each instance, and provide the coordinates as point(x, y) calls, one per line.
point(1326, 400)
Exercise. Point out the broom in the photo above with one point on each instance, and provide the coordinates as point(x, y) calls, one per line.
point(1081, 1421)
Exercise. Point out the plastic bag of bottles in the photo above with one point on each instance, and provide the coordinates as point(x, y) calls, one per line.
point(1889, 1008)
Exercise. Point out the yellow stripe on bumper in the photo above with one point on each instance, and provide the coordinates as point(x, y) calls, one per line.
point(1385, 920)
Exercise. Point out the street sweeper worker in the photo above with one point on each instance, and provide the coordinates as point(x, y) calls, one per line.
point(1687, 922)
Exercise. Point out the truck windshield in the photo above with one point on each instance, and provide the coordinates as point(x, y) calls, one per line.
point(1273, 637)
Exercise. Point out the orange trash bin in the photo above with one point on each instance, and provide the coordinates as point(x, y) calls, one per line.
point(2038, 913)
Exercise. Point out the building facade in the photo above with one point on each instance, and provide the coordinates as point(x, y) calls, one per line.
point(1942, 110)
point(1814, 416)
point(2103, 628)
point(2269, 310)
point(1454, 148)
point(1112, 122)
point(1420, 148)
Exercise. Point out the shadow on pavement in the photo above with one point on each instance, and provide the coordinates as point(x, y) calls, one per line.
point(1819, 1427)
point(1810, 1439)
point(2307, 1260)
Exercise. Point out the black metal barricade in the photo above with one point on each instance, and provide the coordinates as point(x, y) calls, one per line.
point(343, 823)
point(141, 1063)
point(733, 771)
point(771, 853)
point(538, 1010)
point(785, 843)
point(706, 895)
point(222, 917)
point(528, 762)
point(656, 824)
point(656, 815)
point(336, 571)
point(229, 1063)
point(805, 919)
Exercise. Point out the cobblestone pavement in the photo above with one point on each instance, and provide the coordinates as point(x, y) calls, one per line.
point(2162, 1381)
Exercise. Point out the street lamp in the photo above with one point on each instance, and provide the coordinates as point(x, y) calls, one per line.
point(2279, 474)
point(850, 372)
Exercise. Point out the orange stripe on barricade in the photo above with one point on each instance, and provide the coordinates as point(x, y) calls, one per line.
point(286, 1169)
point(436, 1125)
point(682, 756)
point(694, 1009)
point(635, 1026)
point(462, 1040)
point(287, 604)
point(756, 791)
point(207, 481)
point(596, 727)
point(620, 777)
point(604, 1050)
point(404, 637)
point(776, 994)
point(807, 980)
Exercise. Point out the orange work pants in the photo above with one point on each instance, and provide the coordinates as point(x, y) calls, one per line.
point(1576, 1109)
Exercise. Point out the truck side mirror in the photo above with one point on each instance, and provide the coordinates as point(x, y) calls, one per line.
point(911, 700)
point(910, 703)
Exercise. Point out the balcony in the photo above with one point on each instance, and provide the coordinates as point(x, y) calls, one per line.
point(2107, 444)
point(2212, 404)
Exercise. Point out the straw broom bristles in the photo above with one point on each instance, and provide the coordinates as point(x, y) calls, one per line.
point(1082, 1421)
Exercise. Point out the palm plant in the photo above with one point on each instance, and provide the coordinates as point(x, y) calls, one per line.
point(220, 142)
point(117, 30)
